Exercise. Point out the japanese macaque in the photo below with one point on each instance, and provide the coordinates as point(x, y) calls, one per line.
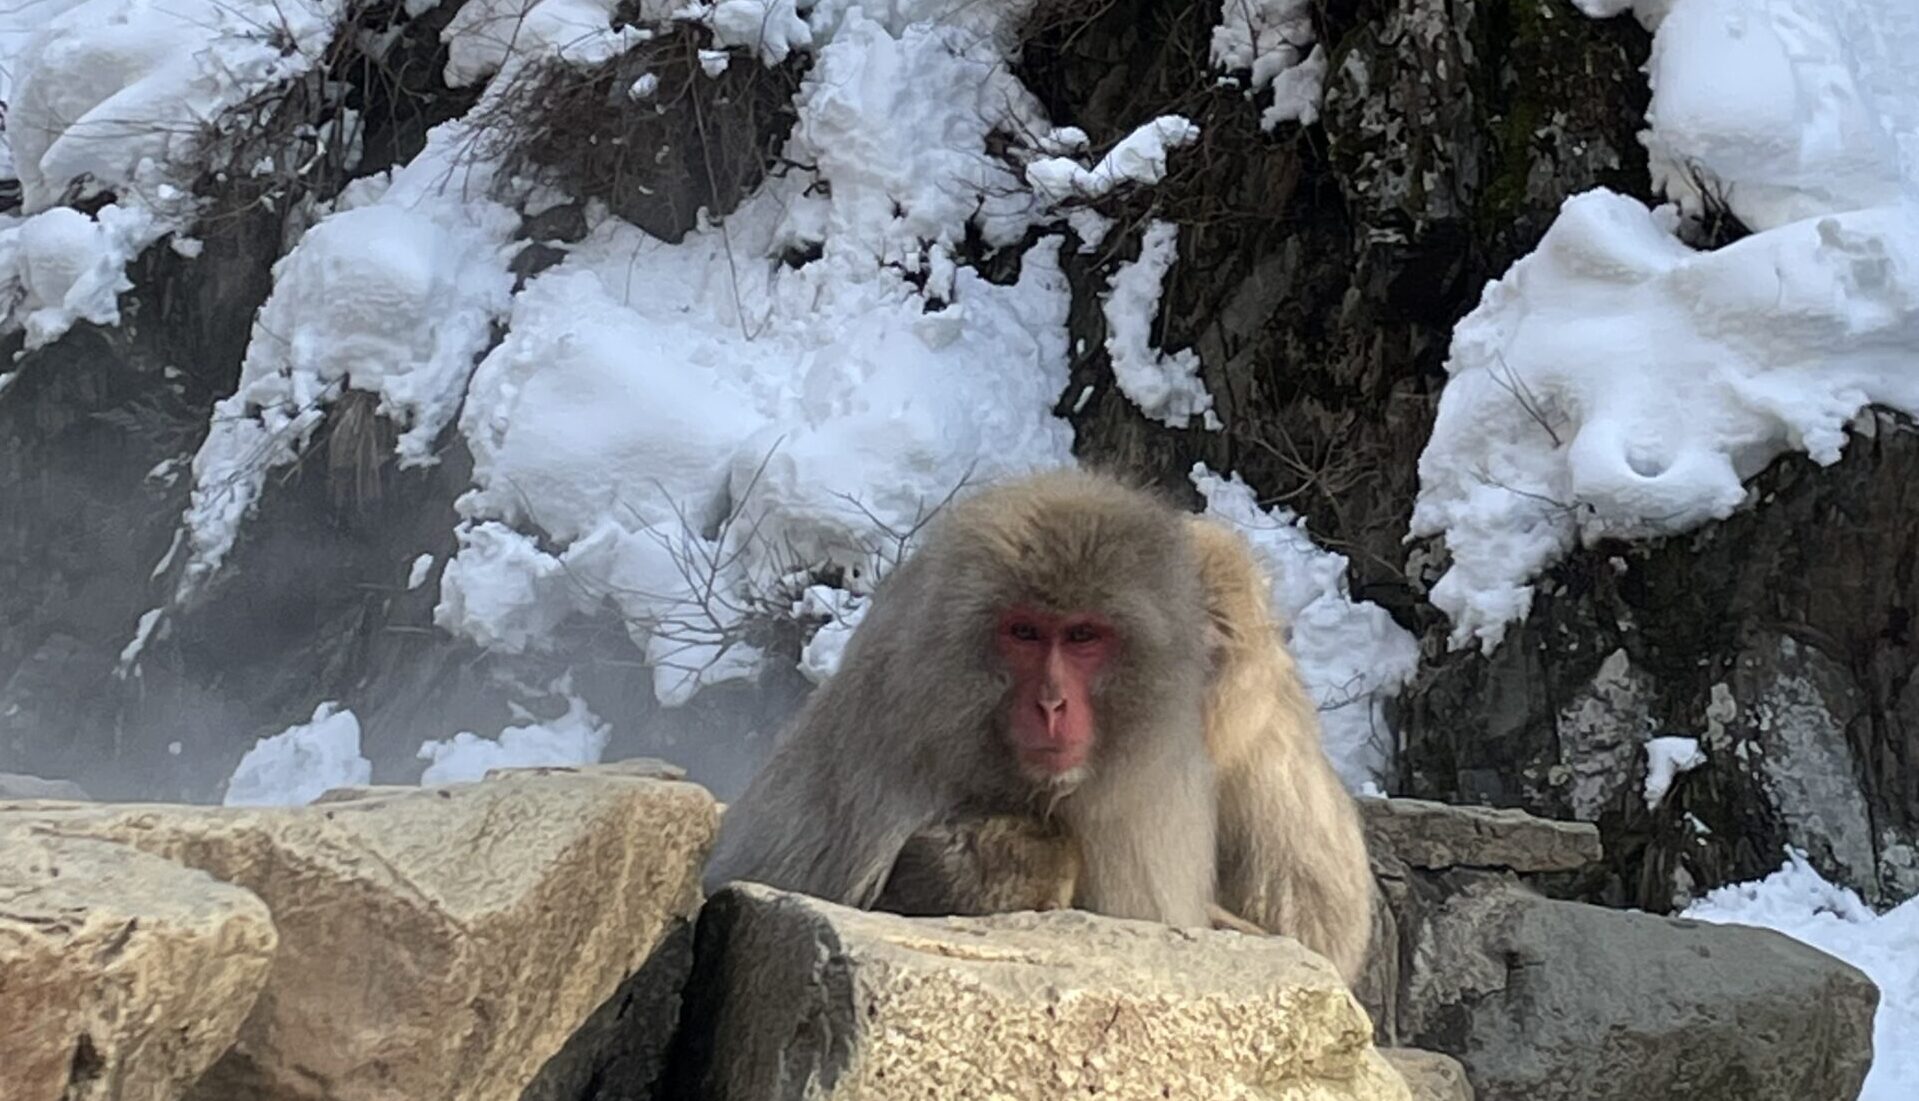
point(986, 864)
point(1044, 653)
point(1292, 850)
point(995, 864)
point(1071, 695)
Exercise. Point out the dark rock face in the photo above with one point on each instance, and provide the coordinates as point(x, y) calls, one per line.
point(1779, 637)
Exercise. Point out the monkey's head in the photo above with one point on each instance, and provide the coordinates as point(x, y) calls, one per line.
point(1077, 598)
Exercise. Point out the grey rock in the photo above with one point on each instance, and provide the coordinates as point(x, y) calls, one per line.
point(1430, 1075)
point(1436, 836)
point(18, 785)
point(1544, 1000)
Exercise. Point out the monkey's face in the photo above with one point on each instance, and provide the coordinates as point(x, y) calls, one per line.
point(1053, 661)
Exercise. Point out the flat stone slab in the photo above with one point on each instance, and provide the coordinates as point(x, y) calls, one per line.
point(1433, 835)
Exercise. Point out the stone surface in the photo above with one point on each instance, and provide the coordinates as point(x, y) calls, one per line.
point(1433, 835)
point(1544, 1000)
point(1429, 1075)
point(638, 768)
point(123, 976)
point(447, 942)
point(794, 998)
point(16, 785)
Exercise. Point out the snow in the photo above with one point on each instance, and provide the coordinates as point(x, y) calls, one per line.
point(418, 572)
point(1166, 388)
point(119, 96)
point(1297, 92)
point(1139, 158)
point(487, 36)
point(1273, 41)
point(772, 28)
point(676, 430)
point(111, 93)
point(1797, 901)
point(1619, 383)
point(1351, 654)
point(840, 613)
point(577, 737)
point(1666, 758)
point(393, 294)
point(1793, 108)
point(302, 762)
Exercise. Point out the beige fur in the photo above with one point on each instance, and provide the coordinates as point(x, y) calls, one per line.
point(985, 864)
point(1292, 852)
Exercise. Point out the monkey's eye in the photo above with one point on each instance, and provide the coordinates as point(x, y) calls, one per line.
point(1024, 632)
point(1080, 634)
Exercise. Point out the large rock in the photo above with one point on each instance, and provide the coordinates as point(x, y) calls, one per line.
point(795, 998)
point(1432, 835)
point(1545, 1000)
point(446, 942)
point(1429, 1075)
point(122, 976)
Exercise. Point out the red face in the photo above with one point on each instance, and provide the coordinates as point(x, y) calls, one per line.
point(1053, 659)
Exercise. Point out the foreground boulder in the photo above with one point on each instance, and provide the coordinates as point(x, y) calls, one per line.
point(796, 998)
point(1544, 1000)
point(474, 942)
point(122, 975)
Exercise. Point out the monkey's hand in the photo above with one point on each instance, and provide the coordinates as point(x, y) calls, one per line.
point(1226, 919)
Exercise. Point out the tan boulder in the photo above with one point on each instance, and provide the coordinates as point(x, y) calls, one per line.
point(1434, 836)
point(793, 997)
point(446, 942)
point(123, 976)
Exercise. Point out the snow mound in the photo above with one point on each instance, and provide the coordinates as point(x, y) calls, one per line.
point(111, 93)
point(301, 763)
point(1139, 158)
point(394, 294)
point(1166, 388)
point(122, 96)
point(487, 36)
point(575, 738)
point(1797, 901)
point(1273, 41)
point(679, 430)
point(1666, 758)
point(1618, 383)
point(1351, 654)
point(1784, 110)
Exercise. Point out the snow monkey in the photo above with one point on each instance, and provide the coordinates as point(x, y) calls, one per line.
point(1292, 850)
point(1031, 772)
point(1044, 653)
